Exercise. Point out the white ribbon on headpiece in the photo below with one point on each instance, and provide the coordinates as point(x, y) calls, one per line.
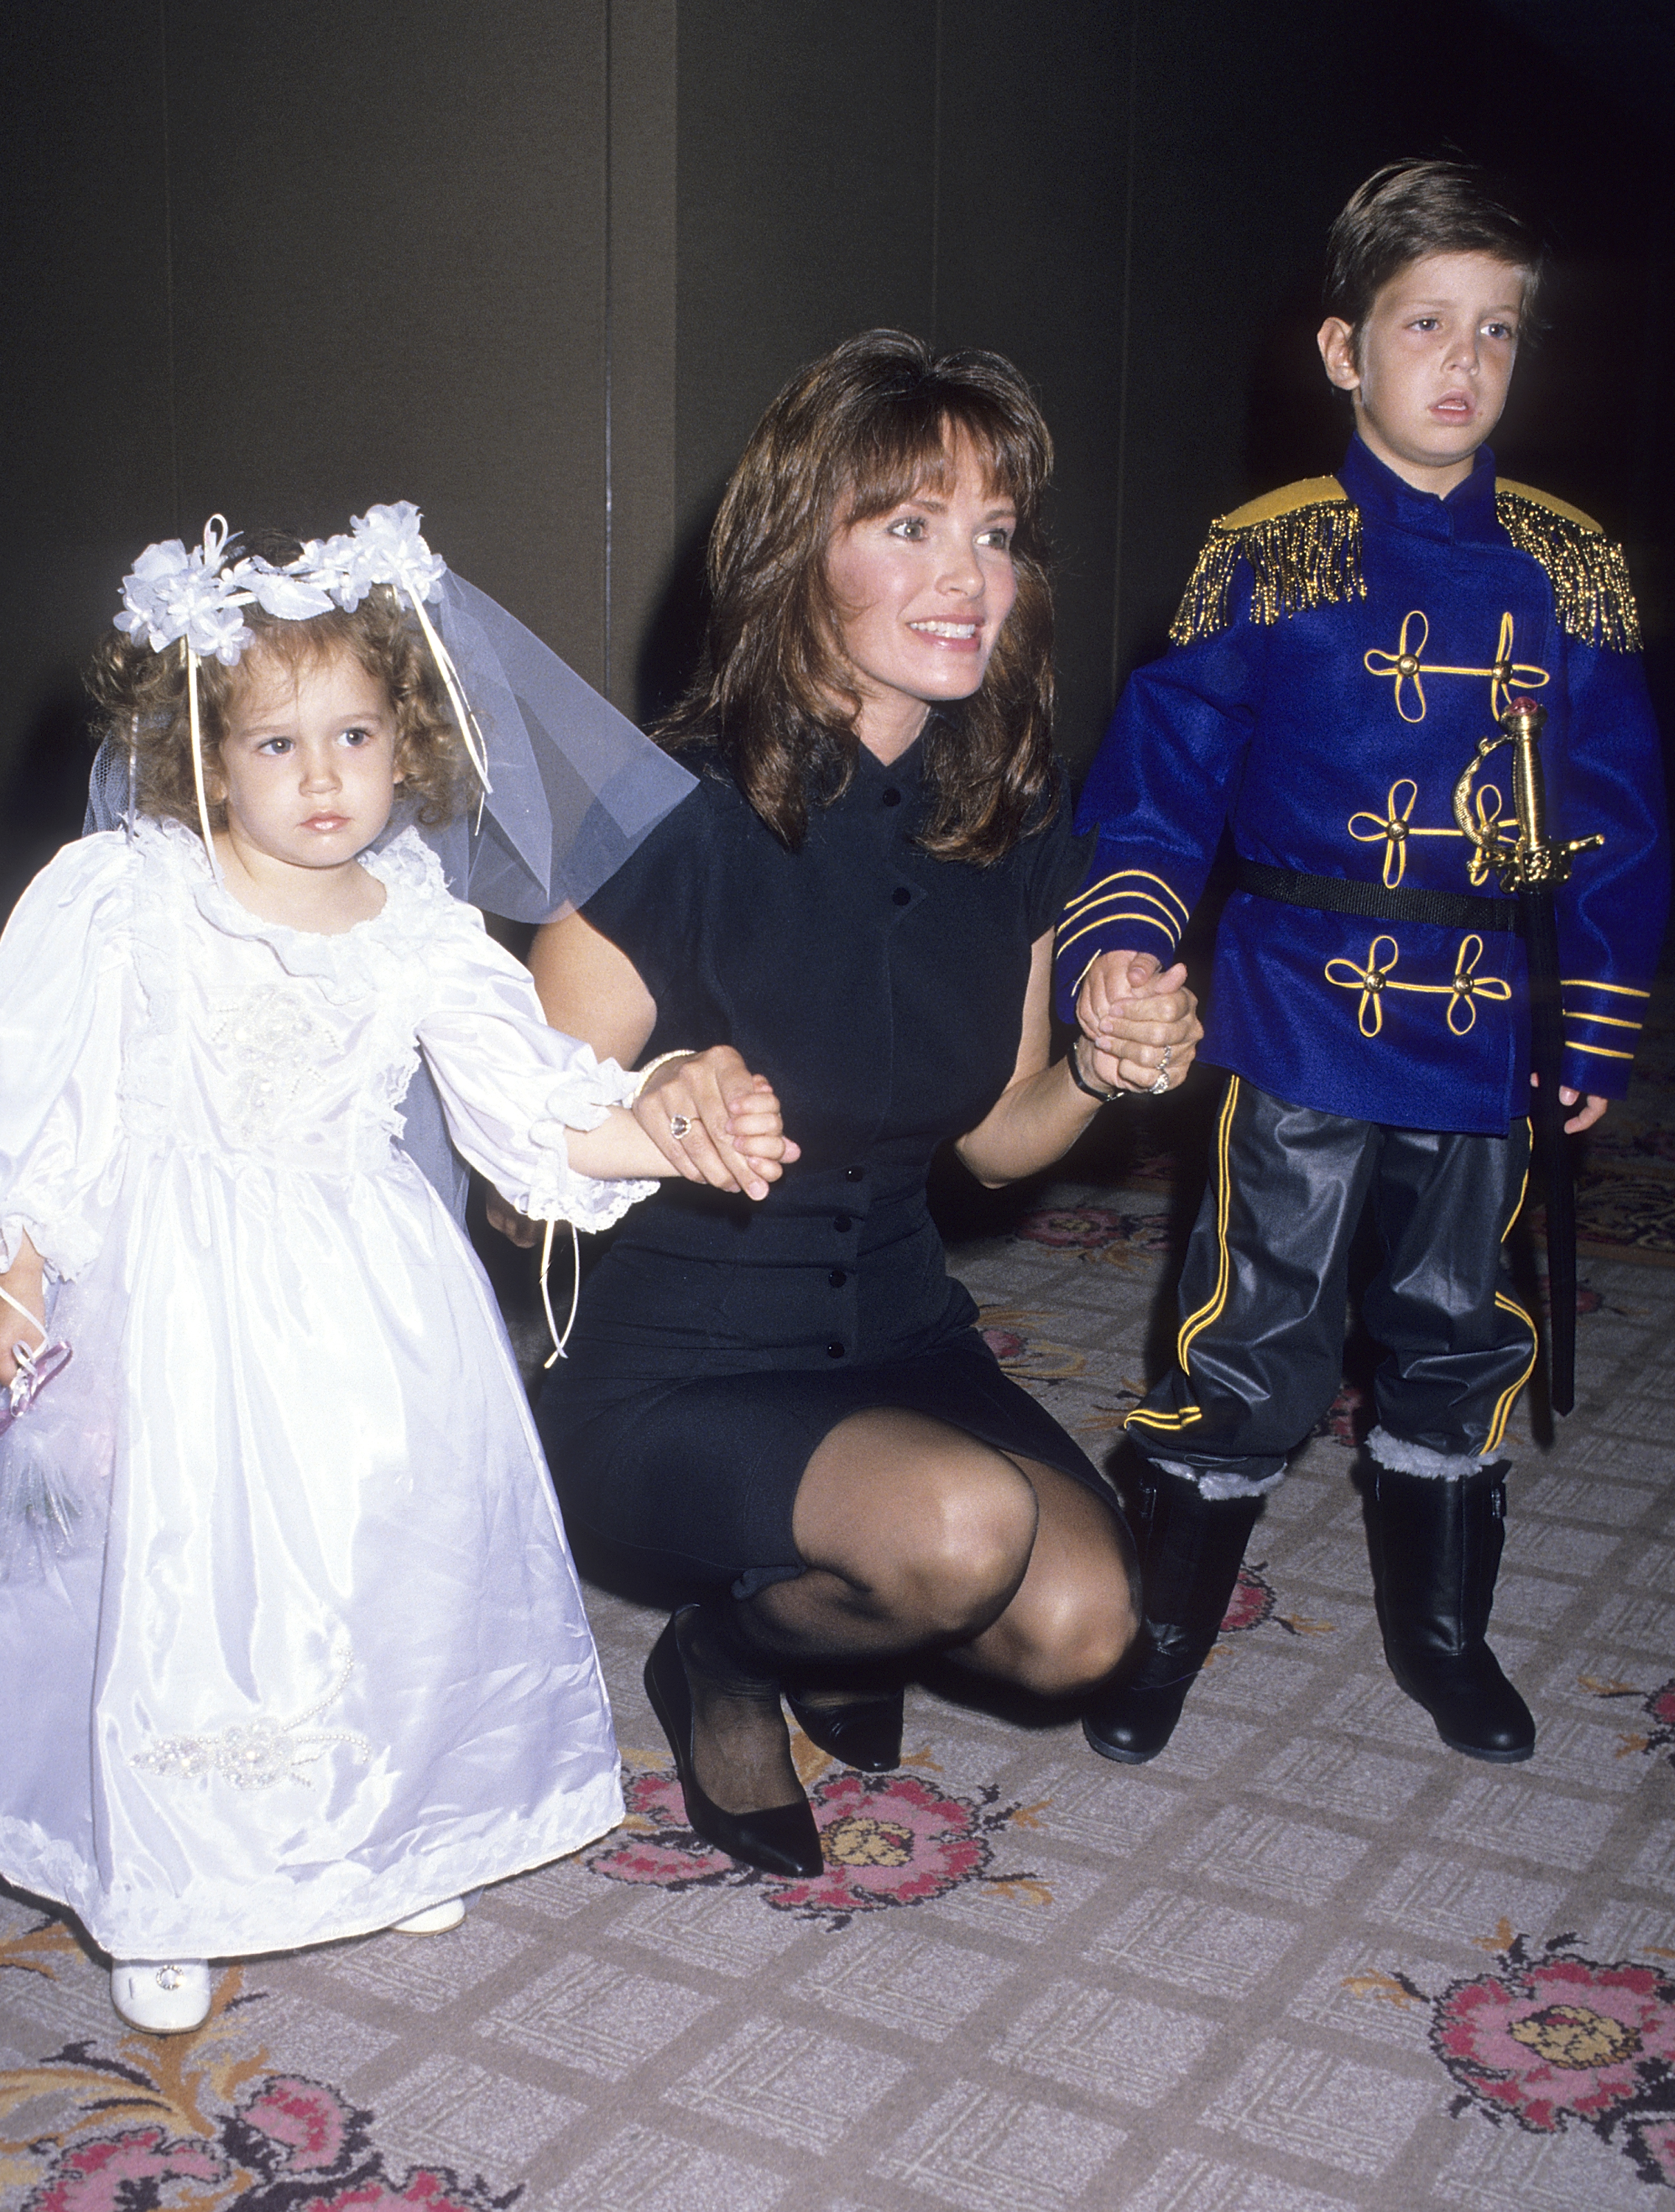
point(384, 546)
point(171, 595)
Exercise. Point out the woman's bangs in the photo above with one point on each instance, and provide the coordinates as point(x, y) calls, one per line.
point(909, 452)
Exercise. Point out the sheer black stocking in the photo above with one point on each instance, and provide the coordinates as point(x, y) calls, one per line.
point(740, 1751)
point(916, 1538)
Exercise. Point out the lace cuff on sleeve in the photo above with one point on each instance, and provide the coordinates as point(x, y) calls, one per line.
point(556, 1192)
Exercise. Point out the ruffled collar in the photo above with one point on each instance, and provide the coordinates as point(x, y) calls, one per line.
point(351, 961)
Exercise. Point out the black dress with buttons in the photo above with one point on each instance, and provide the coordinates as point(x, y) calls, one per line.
point(718, 1340)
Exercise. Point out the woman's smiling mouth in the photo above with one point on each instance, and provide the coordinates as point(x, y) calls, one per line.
point(955, 632)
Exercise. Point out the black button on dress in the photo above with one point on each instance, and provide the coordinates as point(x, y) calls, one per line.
point(882, 993)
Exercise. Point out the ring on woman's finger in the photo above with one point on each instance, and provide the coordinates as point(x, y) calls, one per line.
point(1157, 1089)
point(680, 1125)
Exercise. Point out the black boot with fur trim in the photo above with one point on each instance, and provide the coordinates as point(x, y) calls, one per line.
point(1436, 1525)
point(1190, 1549)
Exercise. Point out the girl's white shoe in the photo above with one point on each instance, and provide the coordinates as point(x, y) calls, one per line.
point(165, 1996)
point(435, 1920)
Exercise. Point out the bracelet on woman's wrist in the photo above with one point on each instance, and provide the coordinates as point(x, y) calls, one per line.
point(1074, 1060)
point(681, 1052)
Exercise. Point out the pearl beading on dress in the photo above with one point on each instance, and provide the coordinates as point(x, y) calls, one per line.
point(258, 1754)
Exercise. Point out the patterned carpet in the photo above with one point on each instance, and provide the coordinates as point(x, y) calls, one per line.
point(1305, 1962)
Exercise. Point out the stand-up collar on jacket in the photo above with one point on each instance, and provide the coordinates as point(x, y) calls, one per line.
point(1465, 516)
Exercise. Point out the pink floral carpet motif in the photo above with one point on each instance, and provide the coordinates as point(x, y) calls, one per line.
point(200, 2121)
point(1348, 1416)
point(1549, 2039)
point(887, 1839)
point(1252, 1602)
point(1255, 1603)
point(1094, 1229)
point(1011, 1333)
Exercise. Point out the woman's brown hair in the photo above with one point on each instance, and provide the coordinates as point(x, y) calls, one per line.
point(851, 436)
point(141, 698)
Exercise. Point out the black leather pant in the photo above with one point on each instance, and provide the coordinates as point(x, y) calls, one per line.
point(1260, 1348)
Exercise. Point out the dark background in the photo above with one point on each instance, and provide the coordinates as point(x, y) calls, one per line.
point(537, 264)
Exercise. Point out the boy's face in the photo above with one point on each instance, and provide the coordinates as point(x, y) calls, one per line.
point(308, 762)
point(1430, 374)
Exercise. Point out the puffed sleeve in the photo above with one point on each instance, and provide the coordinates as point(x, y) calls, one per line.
point(511, 1086)
point(66, 995)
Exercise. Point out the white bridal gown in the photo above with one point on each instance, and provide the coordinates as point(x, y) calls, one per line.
point(290, 1641)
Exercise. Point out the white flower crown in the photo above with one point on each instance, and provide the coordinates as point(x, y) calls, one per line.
point(172, 595)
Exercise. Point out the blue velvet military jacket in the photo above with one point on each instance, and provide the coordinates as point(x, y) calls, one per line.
point(1343, 645)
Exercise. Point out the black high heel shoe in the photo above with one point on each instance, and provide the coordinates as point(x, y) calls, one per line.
point(864, 1731)
point(781, 1839)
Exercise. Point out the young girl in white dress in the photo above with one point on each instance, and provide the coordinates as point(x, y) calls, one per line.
point(291, 1647)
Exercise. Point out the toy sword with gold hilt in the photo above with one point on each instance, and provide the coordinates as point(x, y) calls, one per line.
point(1532, 865)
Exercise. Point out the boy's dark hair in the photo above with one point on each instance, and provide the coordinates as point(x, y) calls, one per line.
point(141, 697)
point(849, 437)
point(1412, 208)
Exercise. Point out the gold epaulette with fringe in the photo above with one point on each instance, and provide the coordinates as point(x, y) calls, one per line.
point(1587, 570)
point(1302, 546)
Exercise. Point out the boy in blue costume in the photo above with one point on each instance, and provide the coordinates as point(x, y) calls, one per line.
point(1343, 646)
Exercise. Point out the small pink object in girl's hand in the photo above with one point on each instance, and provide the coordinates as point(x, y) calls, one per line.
point(35, 1370)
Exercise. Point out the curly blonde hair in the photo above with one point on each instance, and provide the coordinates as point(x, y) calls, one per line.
point(141, 699)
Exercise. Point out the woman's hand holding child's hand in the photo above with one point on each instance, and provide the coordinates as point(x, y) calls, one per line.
point(734, 1136)
point(1133, 1012)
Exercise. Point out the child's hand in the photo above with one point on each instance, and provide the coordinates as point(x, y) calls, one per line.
point(26, 1282)
point(758, 1130)
point(1132, 1012)
point(1590, 1113)
point(732, 1136)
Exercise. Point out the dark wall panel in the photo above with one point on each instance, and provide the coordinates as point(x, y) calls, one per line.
point(390, 272)
point(955, 170)
point(805, 178)
point(1031, 232)
point(284, 263)
point(84, 401)
point(1230, 198)
point(806, 172)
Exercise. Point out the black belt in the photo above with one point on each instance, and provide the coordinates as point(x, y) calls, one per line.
point(1375, 902)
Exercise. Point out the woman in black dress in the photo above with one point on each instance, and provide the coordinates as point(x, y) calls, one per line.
point(787, 1405)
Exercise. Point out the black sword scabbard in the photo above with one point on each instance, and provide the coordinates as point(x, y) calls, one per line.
point(1552, 1147)
point(1532, 864)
